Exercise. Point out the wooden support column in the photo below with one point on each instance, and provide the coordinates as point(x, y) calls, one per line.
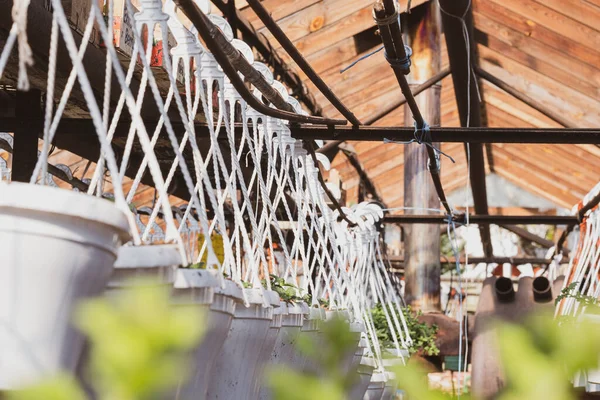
point(28, 111)
point(422, 242)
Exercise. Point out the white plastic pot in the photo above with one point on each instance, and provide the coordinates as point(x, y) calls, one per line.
point(365, 371)
point(270, 339)
point(391, 386)
point(376, 386)
point(297, 359)
point(351, 360)
point(285, 352)
point(157, 263)
point(196, 289)
point(153, 263)
point(316, 318)
point(237, 368)
point(311, 328)
point(57, 248)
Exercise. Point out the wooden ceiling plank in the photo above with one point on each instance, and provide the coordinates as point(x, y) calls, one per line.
point(572, 104)
point(499, 12)
point(547, 184)
point(279, 9)
point(514, 108)
point(554, 21)
point(554, 166)
point(564, 199)
point(538, 56)
point(580, 11)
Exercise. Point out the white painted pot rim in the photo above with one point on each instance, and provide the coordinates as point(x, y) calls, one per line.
point(379, 377)
point(316, 313)
point(231, 289)
point(255, 296)
point(148, 256)
point(273, 298)
point(357, 327)
point(61, 202)
point(368, 361)
point(304, 307)
point(283, 309)
point(186, 278)
point(299, 307)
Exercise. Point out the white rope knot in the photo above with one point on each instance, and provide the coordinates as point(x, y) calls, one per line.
point(19, 15)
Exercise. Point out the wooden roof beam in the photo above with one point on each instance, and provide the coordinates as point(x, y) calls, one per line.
point(467, 99)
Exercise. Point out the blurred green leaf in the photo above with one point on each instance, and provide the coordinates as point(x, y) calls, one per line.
point(62, 387)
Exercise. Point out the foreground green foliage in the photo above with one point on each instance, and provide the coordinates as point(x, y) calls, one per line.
point(539, 357)
point(139, 348)
point(422, 335)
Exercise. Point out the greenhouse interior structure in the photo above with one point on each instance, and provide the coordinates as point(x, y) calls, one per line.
point(299, 199)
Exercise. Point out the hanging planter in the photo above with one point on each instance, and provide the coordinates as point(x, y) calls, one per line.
point(391, 386)
point(351, 361)
point(365, 371)
point(297, 359)
point(376, 386)
point(153, 262)
point(195, 288)
point(58, 247)
point(235, 374)
point(310, 328)
point(284, 351)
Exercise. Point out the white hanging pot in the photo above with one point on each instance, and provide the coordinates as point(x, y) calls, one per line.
point(351, 361)
point(365, 371)
point(357, 328)
point(270, 338)
point(311, 328)
point(376, 386)
point(195, 288)
point(57, 247)
point(154, 262)
point(297, 359)
point(391, 386)
point(284, 351)
point(235, 371)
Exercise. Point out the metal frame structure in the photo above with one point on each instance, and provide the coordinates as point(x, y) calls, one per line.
point(391, 36)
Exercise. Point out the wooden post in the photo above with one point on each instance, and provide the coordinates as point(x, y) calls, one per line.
point(28, 111)
point(422, 242)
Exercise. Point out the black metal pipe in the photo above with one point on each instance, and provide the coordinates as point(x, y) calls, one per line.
point(486, 260)
point(542, 290)
point(505, 291)
point(289, 47)
point(452, 135)
point(483, 219)
point(223, 51)
point(364, 133)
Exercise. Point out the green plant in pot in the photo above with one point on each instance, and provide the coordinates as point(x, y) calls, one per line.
point(423, 336)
